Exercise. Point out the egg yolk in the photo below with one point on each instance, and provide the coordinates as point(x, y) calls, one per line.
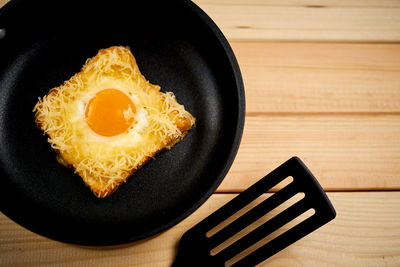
point(110, 112)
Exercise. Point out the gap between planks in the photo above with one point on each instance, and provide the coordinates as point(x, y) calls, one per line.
point(322, 113)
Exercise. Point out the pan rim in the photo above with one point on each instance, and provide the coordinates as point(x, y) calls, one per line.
point(239, 126)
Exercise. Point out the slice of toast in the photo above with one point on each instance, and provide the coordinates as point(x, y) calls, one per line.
point(104, 163)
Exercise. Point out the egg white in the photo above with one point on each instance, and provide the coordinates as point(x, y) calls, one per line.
point(129, 138)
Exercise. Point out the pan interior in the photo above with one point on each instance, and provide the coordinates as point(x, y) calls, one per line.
point(185, 58)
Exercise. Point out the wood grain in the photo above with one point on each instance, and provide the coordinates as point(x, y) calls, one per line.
point(320, 77)
point(301, 20)
point(3, 2)
point(366, 232)
point(334, 105)
point(346, 152)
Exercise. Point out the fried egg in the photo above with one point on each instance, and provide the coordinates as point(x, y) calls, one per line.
point(108, 120)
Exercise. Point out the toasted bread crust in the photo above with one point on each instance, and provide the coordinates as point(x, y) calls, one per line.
point(102, 192)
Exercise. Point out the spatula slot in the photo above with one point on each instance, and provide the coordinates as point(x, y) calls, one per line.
point(270, 237)
point(257, 223)
point(288, 180)
point(2, 33)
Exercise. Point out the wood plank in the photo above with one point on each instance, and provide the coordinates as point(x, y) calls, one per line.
point(366, 232)
point(300, 20)
point(320, 77)
point(3, 2)
point(346, 152)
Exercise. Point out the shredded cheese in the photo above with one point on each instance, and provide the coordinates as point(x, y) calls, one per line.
point(104, 167)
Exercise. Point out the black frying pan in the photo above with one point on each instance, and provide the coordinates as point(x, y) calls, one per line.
point(176, 46)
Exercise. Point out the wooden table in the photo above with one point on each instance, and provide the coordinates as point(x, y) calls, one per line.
point(322, 82)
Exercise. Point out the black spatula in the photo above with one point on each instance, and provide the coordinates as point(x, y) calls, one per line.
point(195, 247)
